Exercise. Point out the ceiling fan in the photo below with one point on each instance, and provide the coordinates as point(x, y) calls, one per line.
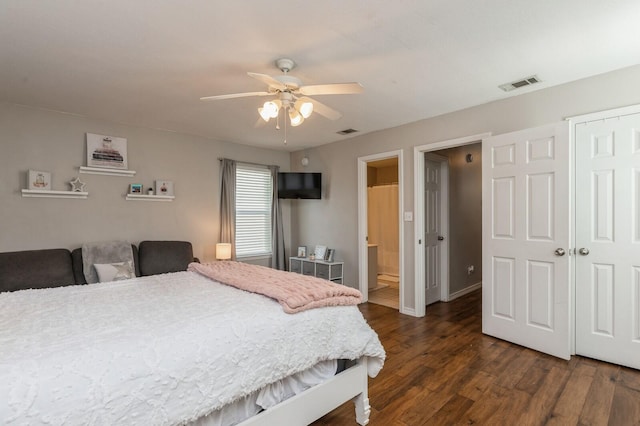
point(291, 96)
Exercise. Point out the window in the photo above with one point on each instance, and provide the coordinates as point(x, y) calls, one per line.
point(253, 210)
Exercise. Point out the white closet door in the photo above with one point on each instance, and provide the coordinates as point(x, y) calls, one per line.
point(608, 239)
point(525, 216)
point(432, 230)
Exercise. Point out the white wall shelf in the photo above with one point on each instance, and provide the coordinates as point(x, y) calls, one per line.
point(142, 197)
point(108, 172)
point(54, 194)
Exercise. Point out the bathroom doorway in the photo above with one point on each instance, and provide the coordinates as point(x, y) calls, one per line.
point(382, 230)
point(386, 269)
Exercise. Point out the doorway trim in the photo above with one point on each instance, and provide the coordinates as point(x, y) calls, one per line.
point(418, 184)
point(363, 255)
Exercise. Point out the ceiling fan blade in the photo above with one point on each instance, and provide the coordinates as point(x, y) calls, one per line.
point(267, 79)
point(234, 95)
point(332, 89)
point(322, 109)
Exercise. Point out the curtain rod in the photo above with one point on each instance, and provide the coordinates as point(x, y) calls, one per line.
point(247, 162)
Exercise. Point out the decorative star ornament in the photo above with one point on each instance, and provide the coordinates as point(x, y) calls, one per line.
point(123, 271)
point(77, 185)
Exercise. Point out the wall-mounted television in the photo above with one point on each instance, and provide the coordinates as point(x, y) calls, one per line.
point(300, 185)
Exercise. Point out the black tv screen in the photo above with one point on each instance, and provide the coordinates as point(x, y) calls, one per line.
point(300, 185)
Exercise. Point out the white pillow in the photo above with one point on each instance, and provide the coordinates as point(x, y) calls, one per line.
point(114, 271)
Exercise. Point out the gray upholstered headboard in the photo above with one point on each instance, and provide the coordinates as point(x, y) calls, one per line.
point(35, 269)
point(159, 257)
point(59, 267)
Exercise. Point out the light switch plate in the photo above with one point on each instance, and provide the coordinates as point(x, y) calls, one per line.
point(408, 216)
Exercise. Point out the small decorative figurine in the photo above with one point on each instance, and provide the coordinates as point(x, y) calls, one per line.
point(77, 185)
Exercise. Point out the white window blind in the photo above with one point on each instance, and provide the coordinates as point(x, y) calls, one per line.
point(253, 210)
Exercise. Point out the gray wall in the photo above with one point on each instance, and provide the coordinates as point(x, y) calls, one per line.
point(465, 216)
point(333, 220)
point(44, 140)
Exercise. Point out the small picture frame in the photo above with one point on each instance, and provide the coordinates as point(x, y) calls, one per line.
point(39, 180)
point(320, 252)
point(164, 187)
point(135, 188)
point(106, 151)
point(330, 256)
point(302, 251)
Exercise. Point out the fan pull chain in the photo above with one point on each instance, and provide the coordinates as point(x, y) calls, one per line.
point(285, 127)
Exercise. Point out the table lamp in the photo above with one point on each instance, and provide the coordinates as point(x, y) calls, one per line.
point(223, 251)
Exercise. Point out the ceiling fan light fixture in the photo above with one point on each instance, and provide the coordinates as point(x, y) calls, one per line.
point(295, 117)
point(305, 108)
point(289, 94)
point(264, 114)
point(271, 108)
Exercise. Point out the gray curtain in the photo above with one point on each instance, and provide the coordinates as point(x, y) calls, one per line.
point(277, 233)
point(228, 204)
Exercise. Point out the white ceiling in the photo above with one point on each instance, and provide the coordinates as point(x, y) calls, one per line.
point(147, 62)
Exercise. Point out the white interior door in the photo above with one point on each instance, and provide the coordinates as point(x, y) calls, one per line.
point(432, 230)
point(608, 240)
point(525, 243)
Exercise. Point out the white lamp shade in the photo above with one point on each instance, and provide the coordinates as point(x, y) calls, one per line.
point(305, 108)
point(223, 251)
point(271, 108)
point(296, 117)
point(264, 114)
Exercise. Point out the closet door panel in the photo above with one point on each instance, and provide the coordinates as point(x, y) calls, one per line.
point(525, 283)
point(607, 239)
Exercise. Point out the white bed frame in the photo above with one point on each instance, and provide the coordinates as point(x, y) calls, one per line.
point(315, 402)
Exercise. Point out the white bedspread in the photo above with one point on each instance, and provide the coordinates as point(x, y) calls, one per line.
point(163, 349)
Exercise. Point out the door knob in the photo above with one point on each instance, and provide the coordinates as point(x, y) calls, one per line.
point(440, 238)
point(559, 252)
point(584, 251)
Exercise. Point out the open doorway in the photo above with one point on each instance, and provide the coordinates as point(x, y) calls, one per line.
point(448, 220)
point(380, 243)
point(382, 230)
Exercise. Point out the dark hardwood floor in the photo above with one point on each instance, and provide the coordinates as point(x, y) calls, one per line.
point(441, 370)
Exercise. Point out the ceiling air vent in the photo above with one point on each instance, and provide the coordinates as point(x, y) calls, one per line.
point(520, 83)
point(346, 131)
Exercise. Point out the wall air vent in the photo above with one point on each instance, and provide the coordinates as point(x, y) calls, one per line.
point(524, 82)
point(346, 131)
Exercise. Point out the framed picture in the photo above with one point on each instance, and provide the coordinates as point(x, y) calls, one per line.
point(106, 151)
point(320, 252)
point(164, 187)
point(330, 256)
point(39, 180)
point(302, 251)
point(135, 188)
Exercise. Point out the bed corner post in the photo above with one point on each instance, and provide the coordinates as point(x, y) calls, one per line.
point(361, 401)
point(363, 409)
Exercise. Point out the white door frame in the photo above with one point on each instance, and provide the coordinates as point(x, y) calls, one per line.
point(363, 255)
point(418, 185)
point(444, 224)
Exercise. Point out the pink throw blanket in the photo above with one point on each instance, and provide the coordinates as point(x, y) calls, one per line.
point(295, 292)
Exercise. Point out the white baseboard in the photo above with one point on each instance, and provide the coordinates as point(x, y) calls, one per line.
point(464, 291)
point(408, 311)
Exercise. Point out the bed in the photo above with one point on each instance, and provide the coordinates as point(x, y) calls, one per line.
point(169, 348)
